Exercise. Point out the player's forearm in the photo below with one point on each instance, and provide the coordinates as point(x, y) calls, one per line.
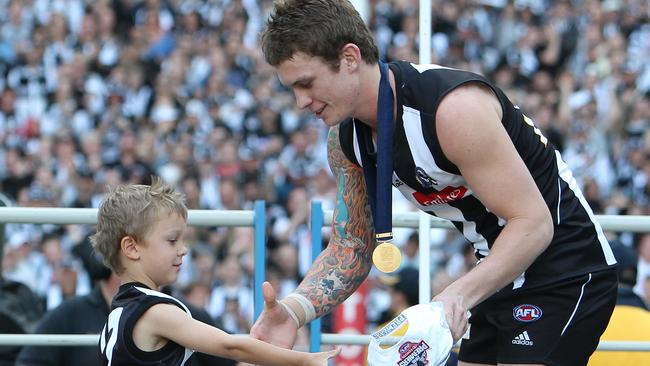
point(337, 272)
point(345, 263)
point(519, 244)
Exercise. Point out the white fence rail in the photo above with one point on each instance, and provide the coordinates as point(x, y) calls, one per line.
point(63, 216)
point(50, 215)
point(631, 223)
point(64, 340)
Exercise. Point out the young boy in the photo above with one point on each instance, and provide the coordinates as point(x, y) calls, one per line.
point(140, 235)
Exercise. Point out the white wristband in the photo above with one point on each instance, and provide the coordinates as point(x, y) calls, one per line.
point(307, 306)
point(292, 313)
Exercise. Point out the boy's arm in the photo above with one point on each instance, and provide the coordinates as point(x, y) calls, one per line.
point(171, 322)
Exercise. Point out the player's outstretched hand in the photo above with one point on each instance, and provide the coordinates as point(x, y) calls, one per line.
point(274, 325)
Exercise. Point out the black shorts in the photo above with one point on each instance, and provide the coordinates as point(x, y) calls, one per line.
point(558, 324)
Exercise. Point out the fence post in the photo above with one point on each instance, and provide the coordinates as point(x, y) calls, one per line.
point(424, 235)
point(316, 226)
point(259, 223)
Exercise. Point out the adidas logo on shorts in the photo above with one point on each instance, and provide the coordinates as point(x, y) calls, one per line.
point(523, 339)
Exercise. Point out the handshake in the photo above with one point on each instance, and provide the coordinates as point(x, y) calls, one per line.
point(418, 336)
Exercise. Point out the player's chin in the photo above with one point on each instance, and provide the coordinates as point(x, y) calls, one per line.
point(330, 121)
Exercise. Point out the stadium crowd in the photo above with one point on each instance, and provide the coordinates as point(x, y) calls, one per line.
point(97, 93)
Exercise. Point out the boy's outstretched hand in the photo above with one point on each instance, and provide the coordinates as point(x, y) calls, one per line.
point(321, 358)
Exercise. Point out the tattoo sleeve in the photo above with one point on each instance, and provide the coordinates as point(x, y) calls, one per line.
point(346, 261)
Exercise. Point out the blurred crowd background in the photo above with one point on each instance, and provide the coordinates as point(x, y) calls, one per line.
point(98, 93)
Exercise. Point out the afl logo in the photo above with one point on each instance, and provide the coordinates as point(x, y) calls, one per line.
point(527, 313)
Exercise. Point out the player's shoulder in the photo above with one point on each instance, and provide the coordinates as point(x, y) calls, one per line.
point(470, 93)
point(161, 311)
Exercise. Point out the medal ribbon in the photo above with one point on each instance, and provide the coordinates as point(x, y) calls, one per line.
point(379, 178)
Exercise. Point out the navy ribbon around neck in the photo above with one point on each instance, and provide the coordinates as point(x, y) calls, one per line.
point(379, 178)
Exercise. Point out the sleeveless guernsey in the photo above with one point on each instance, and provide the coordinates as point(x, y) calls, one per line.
point(433, 184)
point(116, 340)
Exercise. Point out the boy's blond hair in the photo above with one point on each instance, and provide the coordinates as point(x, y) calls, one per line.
point(132, 210)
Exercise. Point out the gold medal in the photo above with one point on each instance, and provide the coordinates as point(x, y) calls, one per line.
point(387, 257)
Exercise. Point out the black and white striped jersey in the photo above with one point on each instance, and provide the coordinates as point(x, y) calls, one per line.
point(116, 340)
point(434, 184)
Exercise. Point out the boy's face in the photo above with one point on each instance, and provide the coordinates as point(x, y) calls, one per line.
point(163, 249)
point(330, 95)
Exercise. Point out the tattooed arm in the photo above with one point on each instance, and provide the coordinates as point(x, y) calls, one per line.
point(346, 261)
point(339, 269)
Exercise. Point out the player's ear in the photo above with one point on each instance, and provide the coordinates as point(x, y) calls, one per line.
point(351, 56)
point(129, 247)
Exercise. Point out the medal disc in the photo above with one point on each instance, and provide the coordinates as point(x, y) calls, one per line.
point(387, 257)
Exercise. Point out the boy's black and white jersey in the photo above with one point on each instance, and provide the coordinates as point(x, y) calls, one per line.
point(432, 183)
point(116, 340)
